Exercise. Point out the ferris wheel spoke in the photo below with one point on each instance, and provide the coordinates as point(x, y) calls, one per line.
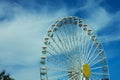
point(94, 68)
point(67, 40)
point(55, 51)
point(77, 45)
point(66, 32)
point(61, 70)
point(57, 44)
point(92, 56)
point(86, 42)
point(88, 45)
point(62, 43)
point(82, 50)
point(96, 73)
point(89, 51)
point(95, 78)
point(51, 53)
point(73, 36)
point(70, 37)
point(55, 62)
point(64, 62)
point(57, 76)
point(54, 56)
point(80, 77)
point(66, 52)
point(76, 37)
point(85, 47)
point(97, 61)
point(79, 42)
point(65, 45)
point(93, 53)
point(71, 78)
point(64, 40)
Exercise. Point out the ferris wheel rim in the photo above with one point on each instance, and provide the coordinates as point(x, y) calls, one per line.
point(89, 32)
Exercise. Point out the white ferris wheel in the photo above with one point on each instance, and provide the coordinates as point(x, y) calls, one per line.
point(72, 51)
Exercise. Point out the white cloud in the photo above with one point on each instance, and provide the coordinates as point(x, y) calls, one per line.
point(21, 38)
point(114, 36)
point(28, 73)
point(90, 5)
point(99, 18)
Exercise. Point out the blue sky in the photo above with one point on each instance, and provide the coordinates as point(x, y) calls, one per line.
point(23, 24)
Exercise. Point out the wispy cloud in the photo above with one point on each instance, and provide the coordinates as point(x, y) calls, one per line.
point(22, 31)
point(99, 19)
point(21, 34)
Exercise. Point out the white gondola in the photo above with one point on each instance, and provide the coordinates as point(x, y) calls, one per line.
point(85, 25)
point(93, 38)
point(46, 38)
point(54, 29)
point(90, 32)
point(97, 44)
point(44, 47)
point(80, 21)
point(49, 31)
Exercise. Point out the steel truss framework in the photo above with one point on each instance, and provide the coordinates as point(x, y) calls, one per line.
point(69, 45)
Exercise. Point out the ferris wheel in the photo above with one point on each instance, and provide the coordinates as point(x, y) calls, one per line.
point(72, 51)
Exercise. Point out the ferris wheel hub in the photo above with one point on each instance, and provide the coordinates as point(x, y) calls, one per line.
point(86, 70)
